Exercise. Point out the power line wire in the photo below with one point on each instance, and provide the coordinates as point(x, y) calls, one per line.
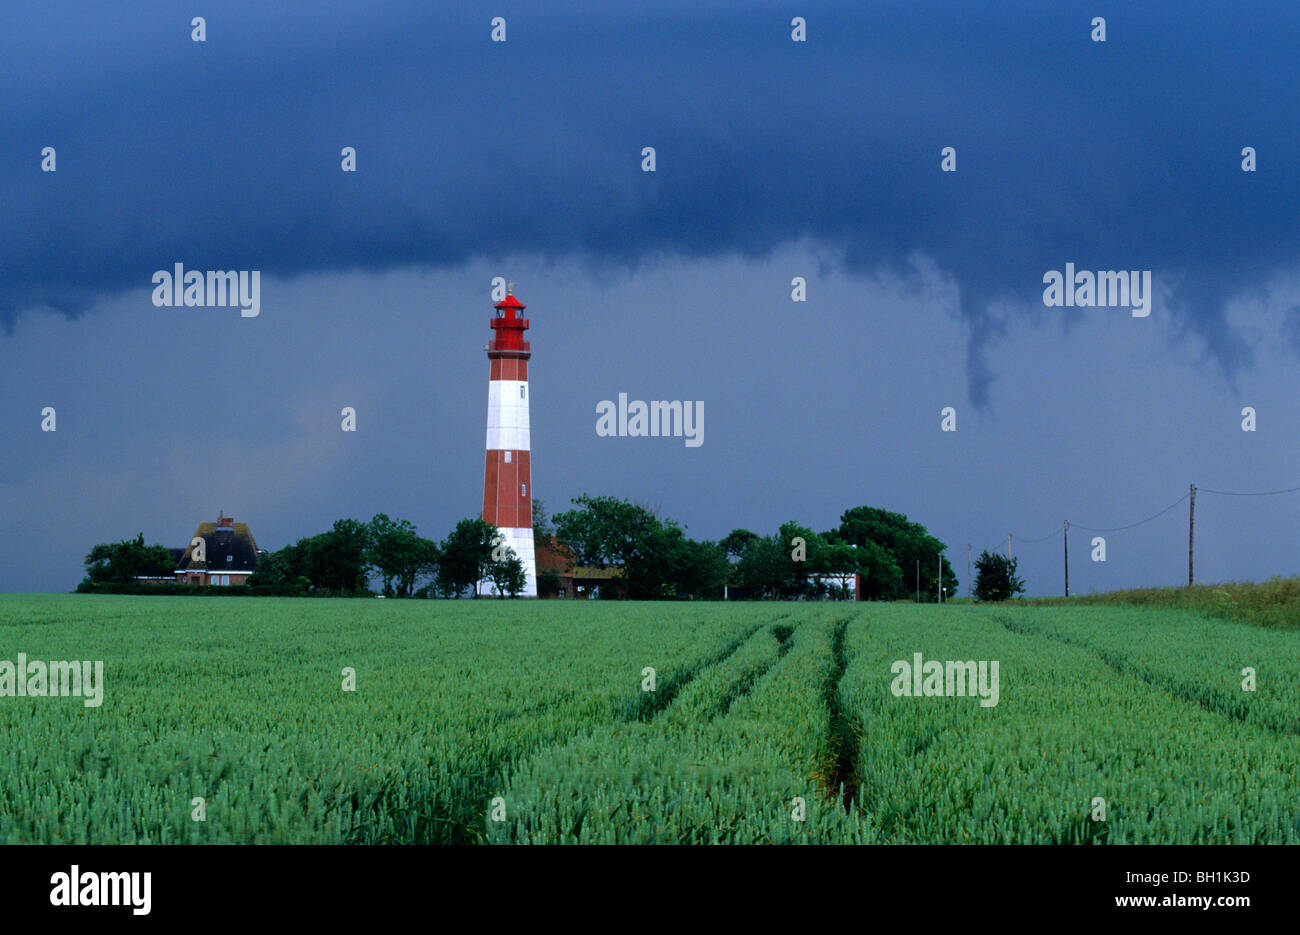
point(1223, 493)
point(1238, 493)
point(1191, 492)
point(1052, 535)
point(1139, 522)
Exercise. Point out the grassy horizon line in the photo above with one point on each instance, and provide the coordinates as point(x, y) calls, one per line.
point(1274, 603)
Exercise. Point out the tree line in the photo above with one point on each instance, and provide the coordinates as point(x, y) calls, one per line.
point(655, 559)
point(897, 558)
point(658, 560)
point(342, 561)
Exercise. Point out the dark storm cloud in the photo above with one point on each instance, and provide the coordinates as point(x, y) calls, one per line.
point(1115, 155)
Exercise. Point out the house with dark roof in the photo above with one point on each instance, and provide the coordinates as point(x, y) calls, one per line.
point(228, 556)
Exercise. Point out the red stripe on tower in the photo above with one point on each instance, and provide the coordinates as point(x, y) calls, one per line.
point(507, 493)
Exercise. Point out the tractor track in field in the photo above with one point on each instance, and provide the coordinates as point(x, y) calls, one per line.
point(1123, 666)
point(652, 704)
point(782, 633)
point(456, 815)
point(844, 780)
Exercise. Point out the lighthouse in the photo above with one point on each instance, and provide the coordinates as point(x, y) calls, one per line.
point(507, 497)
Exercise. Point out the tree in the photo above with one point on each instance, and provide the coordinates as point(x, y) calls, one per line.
point(606, 531)
point(823, 554)
point(995, 577)
point(805, 558)
point(882, 579)
point(507, 572)
point(767, 570)
point(466, 555)
point(700, 569)
point(652, 573)
point(336, 561)
point(807, 552)
point(399, 555)
point(285, 568)
point(123, 562)
point(656, 557)
point(542, 528)
point(734, 542)
point(444, 587)
point(834, 557)
point(906, 544)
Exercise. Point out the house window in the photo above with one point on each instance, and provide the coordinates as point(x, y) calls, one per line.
point(225, 579)
point(507, 457)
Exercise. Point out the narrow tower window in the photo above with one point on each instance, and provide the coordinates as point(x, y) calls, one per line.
point(507, 457)
point(521, 392)
point(523, 490)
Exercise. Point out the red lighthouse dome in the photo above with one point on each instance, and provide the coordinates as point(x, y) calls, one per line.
point(509, 327)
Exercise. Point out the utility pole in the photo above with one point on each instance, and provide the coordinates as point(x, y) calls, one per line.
point(918, 581)
point(1191, 533)
point(940, 577)
point(1067, 558)
point(1008, 547)
point(968, 569)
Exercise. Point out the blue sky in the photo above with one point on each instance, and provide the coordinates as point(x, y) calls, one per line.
point(775, 159)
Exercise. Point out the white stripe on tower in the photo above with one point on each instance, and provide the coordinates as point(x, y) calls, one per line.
point(507, 424)
point(521, 541)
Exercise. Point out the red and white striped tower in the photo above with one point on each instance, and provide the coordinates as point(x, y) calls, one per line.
point(507, 500)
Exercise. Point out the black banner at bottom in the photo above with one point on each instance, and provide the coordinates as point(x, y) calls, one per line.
point(148, 884)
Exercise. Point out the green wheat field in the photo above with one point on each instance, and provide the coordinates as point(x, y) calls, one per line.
point(527, 722)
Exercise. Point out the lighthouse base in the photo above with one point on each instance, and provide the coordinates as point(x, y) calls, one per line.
point(520, 541)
